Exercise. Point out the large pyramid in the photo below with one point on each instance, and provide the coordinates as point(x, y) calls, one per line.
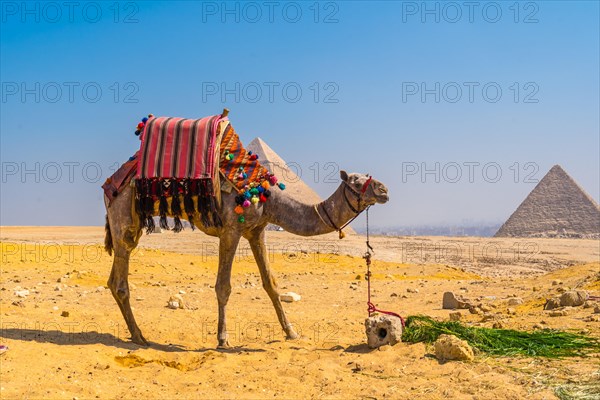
point(293, 183)
point(556, 207)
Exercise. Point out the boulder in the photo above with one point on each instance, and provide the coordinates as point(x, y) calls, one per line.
point(450, 301)
point(573, 298)
point(449, 347)
point(290, 297)
point(515, 301)
point(383, 330)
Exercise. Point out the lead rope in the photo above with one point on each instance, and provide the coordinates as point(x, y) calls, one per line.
point(370, 306)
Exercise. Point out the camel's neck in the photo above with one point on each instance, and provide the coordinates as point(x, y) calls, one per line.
point(302, 219)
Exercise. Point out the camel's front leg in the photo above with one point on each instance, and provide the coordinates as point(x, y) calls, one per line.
point(227, 247)
point(257, 243)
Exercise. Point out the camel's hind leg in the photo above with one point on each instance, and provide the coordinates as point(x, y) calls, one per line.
point(125, 230)
point(257, 244)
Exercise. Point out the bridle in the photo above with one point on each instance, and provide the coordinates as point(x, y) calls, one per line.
point(356, 210)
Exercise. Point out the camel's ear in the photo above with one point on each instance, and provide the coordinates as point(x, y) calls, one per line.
point(344, 175)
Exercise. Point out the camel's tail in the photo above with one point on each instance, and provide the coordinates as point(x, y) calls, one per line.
point(108, 243)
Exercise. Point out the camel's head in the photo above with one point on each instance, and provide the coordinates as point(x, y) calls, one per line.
point(371, 191)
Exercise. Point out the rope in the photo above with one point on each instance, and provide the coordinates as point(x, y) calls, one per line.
point(370, 306)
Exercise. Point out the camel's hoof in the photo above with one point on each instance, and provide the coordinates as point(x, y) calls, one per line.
point(140, 340)
point(224, 344)
point(292, 336)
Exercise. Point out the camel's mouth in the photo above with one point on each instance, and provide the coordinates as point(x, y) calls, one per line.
point(382, 198)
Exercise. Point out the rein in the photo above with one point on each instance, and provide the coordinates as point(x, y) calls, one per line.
point(357, 211)
point(370, 306)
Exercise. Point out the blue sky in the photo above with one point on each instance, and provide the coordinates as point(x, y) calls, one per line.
point(389, 88)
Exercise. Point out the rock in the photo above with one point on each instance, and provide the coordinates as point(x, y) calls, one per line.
point(538, 326)
point(485, 308)
point(22, 293)
point(455, 316)
point(589, 304)
point(556, 282)
point(383, 330)
point(358, 277)
point(175, 302)
point(290, 297)
point(573, 298)
point(592, 318)
point(452, 302)
point(558, 313)
point(552, 303)
point(411, 290)
point(474, 310)
point(394, 295)
point(18, 303)
point(597, 310)
point(498, 325)
point(515, 301)
point(449, 347)
point(64, 314)
point(100, 289)
point(511, 311)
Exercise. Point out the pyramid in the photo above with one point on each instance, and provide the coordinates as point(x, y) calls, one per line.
point(294, 185)
point(556, 207)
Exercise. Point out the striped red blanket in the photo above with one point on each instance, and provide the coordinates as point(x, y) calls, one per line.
point(178, 148)
point(178, 160)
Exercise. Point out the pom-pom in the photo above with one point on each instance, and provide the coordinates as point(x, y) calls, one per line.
point(260, 189)
point(249, 153)
point(262, 198)
point(239, 209)
point(150, 115)
point(281, 186)
point(254, 200)
point(245, 175)
point(246, 203)
point(273, 180)
point(265, 185)
point(267, 193)
point(140, 125)
point(138, 132)
point(145, 119)
point(230, 156)
point(240, 169)
point(241, 219)
point(239, 199)
point(254, 191)
point(253, 157)
point(247, 195)
point(241, 176)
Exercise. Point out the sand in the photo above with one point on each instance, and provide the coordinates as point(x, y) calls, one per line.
point(87, 354)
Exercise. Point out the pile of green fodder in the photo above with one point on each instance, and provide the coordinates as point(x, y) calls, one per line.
point(503, 342)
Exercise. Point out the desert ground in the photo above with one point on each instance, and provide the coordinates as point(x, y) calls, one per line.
point(67, 338)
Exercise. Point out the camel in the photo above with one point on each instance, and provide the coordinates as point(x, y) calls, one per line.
point(124, 229)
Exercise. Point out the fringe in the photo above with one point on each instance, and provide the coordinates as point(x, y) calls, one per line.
point(163, 206)
point(188, 201)
point(149, 191)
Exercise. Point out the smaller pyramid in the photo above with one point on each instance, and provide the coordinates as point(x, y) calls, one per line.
point(556, 207)
point(294, 185)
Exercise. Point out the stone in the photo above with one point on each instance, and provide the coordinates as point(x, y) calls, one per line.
point(290, 297)
point(411, 290)
point(18, 303)
point(556, 282)
point(597, 310)
point(485, 308)
point(383, 330)
point(175, 302)
point(455, 316)
point(22, 293)
point(552, 303)
point(511, 311)
point(450, 301)
point(64, 314)
point(394, 295)
point(515, 301)
point(573, 298)
point(449, 347)
point(592, 318)
point(538, 326)
point(558, 313)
